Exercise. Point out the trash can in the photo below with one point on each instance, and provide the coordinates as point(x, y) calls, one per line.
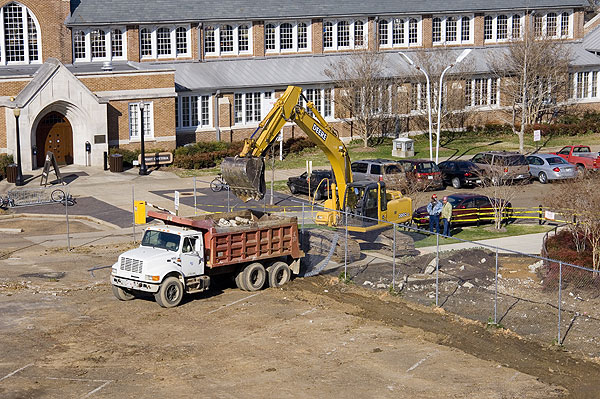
point(116, 163)
point(11, 173)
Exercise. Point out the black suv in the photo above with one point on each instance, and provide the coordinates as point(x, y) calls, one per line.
point(299, 184)
point(460, 173)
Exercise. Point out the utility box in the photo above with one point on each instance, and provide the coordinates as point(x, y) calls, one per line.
point(139, 212)
point(403, 147)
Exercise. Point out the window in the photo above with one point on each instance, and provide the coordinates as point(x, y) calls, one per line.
point(321, 98)
point(502, 27)
point(181, 41)
point(399, 32)
point(344, 34)
point(134, 120)
point(516, 26)
point(243, 38)
point(193, 111)
point(481, 91)
point(595, 84)
point(226, 39)
point(247, 107)
point(538, 25)
point(551, 24)
point(451, 30)
point(20, 31)
point(287, 37)
point(488, 32)
point(95, 44)
point(564, 24)
point(165, 41)
point(209, 40)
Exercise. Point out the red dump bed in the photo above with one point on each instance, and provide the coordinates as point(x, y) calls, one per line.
point(255, 236)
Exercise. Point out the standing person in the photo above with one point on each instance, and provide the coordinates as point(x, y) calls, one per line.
point(434, 209)
point(446, 215)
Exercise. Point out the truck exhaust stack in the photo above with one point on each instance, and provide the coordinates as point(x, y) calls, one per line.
point(245, 177)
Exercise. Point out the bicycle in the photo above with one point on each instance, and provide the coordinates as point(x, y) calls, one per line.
point(218, 184)
point(6, 202)
point(58, 195)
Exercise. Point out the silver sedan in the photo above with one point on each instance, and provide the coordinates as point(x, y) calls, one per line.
point(547, 167)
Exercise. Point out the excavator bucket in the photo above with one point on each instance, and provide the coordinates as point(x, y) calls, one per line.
point(245, 177)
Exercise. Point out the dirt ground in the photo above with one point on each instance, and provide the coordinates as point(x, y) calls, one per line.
point(63, 335)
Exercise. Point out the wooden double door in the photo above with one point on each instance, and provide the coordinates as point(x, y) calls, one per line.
point(54, 134)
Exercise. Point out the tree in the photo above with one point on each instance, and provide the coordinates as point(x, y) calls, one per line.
point(534, 71)
point(364, 91)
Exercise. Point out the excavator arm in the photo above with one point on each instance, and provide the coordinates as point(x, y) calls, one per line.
point(245, 173)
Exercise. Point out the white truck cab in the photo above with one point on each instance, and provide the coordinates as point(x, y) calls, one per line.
point(169, 262)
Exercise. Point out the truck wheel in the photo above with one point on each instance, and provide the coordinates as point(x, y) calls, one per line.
point(279, 274)
point(121, 294)
point(170, 293)
point(253, 277)
point(293, 189)
point(239, 282)
point(318, 195)
point(580, 169)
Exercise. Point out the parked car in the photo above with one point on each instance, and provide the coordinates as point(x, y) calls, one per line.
point(466, 209)
point(299, 184)
point(386, 170)
point(581, 156)
point(460, 173)
point(422, 174)
point(547, 167)
point(502, 166)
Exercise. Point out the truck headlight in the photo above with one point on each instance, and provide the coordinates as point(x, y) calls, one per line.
point(152, 278)
point(114, 270)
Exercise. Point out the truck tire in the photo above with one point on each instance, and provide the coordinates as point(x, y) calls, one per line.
point(239, 282)
point(279, 273)
point(170, 293)
point(253, 277)
point(122, 294)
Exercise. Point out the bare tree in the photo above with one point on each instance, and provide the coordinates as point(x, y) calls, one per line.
point(365, 91)
point(578, 202)
point(501, 191)
point(534, 71)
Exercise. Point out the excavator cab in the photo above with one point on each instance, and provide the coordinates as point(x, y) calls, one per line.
point(364, 202)
point(245, 176)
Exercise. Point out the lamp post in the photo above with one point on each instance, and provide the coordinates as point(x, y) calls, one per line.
point(440, 95)
point(143, 169)
point(19, 180)
point(428, 99)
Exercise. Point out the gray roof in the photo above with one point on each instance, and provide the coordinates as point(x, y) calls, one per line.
point(307, 70)
point(94, 12)
point(591, 41)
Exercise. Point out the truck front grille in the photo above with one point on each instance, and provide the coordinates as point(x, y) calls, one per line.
point(131, 265)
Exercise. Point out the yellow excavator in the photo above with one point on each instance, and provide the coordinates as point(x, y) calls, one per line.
point(367, 203)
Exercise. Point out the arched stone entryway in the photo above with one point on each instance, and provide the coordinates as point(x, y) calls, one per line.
point(54, 133)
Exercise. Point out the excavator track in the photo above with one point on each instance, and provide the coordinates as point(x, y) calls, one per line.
point(318, 242)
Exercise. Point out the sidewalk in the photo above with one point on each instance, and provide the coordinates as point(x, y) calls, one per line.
point(528, 243)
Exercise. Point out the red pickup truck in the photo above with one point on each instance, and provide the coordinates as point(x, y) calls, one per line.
point(581, 156)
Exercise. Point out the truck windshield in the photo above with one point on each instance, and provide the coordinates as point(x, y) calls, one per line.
point(161, 239)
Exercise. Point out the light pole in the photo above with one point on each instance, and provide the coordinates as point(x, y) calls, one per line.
point(440, 95)
point(19, 180)
point(428, 99)
point(143, 169)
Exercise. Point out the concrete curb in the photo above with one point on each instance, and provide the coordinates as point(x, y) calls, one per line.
point(49, 216)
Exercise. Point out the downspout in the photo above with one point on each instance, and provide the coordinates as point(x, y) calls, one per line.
point(217, 115)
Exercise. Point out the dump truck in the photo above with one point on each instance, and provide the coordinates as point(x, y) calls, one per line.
point(182, 255)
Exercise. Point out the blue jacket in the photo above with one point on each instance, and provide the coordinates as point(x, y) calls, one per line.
point(434, 208)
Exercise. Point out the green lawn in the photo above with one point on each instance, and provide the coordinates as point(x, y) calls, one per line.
point(473, 233)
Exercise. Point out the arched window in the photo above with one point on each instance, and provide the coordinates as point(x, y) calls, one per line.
point(343, 34)
point(270, 37)
point(398, 31)
point(465, 29)
point(451, 29)
point(564, 24)
point(413, 31)
point(502, 27)
point(226, 38)
point(488, 32)
point(209, 39)
point(163, 41)
point(79, 44)
point(516, 26)
point(98, 43)
point(116, 43)
point(21, 35)
point(383, 32)
point(359, 33)
point(181, 46)
point(328, 35)
point(286, 36)
point(551, 23)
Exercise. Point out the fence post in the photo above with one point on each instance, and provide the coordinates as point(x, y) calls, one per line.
point(394, 259)
point(67, 217)
point(540, 215)
point(559, 297)
point(133, 209)
point(346, 250)
point(496, 291)
point(228, 200)
point(195, 200)
point(478, 215)
point(437, 268)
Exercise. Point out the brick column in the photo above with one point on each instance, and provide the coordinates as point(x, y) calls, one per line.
point(133, 43)
point(578, 23)
point(426, 31)
point(317, 36)
point(258, 38)
point(195, 41)
point(478, 30)
point(372, 35)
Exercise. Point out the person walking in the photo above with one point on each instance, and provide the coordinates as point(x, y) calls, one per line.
point(446, 216)
point(434, 209)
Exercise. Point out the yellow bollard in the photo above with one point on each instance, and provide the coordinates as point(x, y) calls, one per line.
point(140, 212)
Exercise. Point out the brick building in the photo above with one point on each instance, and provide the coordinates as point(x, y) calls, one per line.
point(77, 71)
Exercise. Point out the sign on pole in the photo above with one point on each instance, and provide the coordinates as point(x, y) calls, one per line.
point(177, 202)
point(537, 135)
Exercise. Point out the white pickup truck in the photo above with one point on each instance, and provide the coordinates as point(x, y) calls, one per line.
point(181, 256)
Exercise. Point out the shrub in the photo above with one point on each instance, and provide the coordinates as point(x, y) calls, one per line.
point(128, 155)
point(297, 144)
point(5, 160)
point(205, 154)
